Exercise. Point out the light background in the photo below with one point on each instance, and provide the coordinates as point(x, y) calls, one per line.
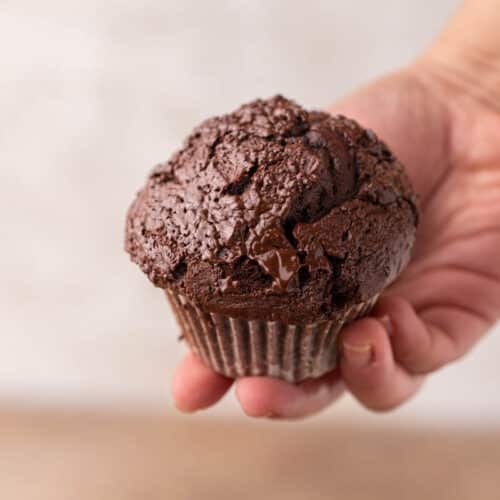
point(92, 94)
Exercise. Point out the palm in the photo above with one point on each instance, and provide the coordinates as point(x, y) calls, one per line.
point(447, 297)
point(452, 281)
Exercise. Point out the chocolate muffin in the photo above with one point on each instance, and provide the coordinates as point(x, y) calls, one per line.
point(270, 229)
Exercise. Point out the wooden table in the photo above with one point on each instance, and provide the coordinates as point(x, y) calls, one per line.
point(69, 456)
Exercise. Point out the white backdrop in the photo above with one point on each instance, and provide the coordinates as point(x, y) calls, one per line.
point(92, 94)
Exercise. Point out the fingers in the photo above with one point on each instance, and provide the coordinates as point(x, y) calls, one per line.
point(196, 386)
point(274, 398)
point(369, 368)
point(421, 343)
point(382, 360)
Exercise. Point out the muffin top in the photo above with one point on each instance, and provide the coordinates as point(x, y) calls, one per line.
point(276, 213)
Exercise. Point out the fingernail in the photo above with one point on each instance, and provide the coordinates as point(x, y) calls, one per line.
point(357, 355)
point(387, 324)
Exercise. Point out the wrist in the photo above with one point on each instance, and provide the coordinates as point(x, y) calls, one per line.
point(467, 53)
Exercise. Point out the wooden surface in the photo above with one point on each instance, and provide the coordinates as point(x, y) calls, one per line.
point(57, 456)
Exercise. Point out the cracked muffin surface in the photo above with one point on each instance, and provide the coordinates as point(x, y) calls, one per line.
point(276, 213)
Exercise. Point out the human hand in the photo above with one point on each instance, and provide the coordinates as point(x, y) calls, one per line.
point(443, 122)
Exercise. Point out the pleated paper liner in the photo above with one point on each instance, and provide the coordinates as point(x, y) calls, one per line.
point(238, 347)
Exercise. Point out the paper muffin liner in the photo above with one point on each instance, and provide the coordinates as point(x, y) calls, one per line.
point(237, 347)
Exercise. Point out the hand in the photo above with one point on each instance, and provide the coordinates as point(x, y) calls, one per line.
point(444, 125)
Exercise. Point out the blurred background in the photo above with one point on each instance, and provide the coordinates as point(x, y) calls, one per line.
point(92, 95)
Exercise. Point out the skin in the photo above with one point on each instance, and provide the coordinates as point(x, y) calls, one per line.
point(441, 116)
